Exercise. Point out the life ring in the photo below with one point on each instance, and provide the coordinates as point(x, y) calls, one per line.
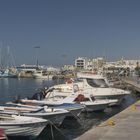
point(75, 88)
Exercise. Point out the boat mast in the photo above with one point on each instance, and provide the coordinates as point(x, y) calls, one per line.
point(37, 63)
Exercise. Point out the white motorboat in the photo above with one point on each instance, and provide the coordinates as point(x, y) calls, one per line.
point(93, 104)
point(14, 125)
point(56, 116)
point(98, 86)
point(6, 74)
point(88, 100)
point(39, 74)
point(94, 84)
point(73, 108)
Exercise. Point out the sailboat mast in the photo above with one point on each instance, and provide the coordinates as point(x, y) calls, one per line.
point(37, 63)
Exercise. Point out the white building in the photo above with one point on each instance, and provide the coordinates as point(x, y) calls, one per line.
point(81, 62)
point(89, 64)
point(123, 64)
point(52, 69)
point(99, 64)
point(69, 67)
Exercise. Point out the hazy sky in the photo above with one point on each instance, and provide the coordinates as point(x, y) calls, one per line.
point(67, 29)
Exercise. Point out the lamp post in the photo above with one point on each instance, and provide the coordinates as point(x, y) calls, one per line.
point(37, 47)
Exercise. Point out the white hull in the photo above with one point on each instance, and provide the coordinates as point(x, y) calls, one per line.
point(118, 97)
point(23, 126)
point(38, 74)
point(55, 117)
point(74, 112)
point(34, 130)
point(59, 104)
point(43, 77)
point(58, 119)
point(93, 107)
point(97, 95)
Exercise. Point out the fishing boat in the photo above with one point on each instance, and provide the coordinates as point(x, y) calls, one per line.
point(14, 125)
point(56, 116)
point(73, 108)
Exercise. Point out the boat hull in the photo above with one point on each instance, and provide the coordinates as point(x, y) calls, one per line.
point(74, 112)
point(14, 125)
point(91, 108)
point(74, 109)
point(118, 97)
point(32, 130)
point(56, 119)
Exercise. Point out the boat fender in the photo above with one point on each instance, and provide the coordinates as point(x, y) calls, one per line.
point(52, 109)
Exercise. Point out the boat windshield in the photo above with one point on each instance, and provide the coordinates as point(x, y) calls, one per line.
point(97, 83)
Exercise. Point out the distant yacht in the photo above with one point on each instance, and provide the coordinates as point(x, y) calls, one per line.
point(25, 67)
point(7, 66)
point(40, 74)
point(27, 70)
point(6, 74)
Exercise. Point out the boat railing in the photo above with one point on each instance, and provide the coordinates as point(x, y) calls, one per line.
point(112, 90)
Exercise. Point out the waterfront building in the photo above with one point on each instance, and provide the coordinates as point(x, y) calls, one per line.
point(52, 69)
point(120, 67)
point(89, 64)
point(69, 67)
point(81, 63)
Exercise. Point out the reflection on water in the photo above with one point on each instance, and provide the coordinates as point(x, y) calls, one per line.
point(11, 87)
point(71, 128)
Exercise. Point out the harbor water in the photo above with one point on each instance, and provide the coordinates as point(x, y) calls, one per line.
point(11, 88)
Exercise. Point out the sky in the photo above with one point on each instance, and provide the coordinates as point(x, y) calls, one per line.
point(56, 32)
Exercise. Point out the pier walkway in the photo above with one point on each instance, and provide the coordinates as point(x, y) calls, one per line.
point(123, 126)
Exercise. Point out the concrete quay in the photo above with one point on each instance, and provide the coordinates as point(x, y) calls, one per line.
point(123, 126)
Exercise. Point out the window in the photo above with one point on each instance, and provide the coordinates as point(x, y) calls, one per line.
point(97, 83)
